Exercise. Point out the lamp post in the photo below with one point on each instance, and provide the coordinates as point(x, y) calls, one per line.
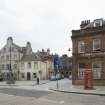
point(69, 72)
point(18, 64)
point(10, 79)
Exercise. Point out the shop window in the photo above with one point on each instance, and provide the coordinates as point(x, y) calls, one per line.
point(96, 68)
point(81, 69)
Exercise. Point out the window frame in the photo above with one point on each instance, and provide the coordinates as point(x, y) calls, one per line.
point(97, 70)
point(80, 45)
point(22, 65)
point(35, 65)
point(95, 44)
point(29, 65)
point(81, 71)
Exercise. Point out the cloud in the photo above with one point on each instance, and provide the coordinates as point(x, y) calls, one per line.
point(46, 23)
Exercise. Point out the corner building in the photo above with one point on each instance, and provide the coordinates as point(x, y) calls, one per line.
point(23, 62)
point(88, 45)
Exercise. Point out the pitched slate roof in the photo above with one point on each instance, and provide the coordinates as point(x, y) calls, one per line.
point(30, 57)
point(44, 56)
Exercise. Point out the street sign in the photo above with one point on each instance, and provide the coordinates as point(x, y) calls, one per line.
point(57, 63)
point(57, 66)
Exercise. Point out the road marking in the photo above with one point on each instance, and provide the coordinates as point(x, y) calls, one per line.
point(62, 102)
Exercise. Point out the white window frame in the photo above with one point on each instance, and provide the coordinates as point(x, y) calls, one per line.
point(81, 72)
point(97, 70)
point(29, 65)
point(22, 65)
point(35, 65)
point(94, 44)
point(80, 45)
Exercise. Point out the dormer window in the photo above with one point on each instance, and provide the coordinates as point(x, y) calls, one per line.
point(96, 45)
point(97, 23)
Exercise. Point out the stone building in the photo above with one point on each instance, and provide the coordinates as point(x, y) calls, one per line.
point(48, 59)
point(22, 61)
point(89, 51)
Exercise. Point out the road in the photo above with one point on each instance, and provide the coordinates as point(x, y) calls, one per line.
point(24, 93)
point(11, 96)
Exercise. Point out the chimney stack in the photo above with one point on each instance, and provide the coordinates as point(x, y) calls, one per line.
point(84, 23)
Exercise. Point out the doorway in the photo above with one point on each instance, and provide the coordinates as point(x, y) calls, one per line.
point(28, 76)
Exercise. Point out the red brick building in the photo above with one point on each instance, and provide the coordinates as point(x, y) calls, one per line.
point(89, 51)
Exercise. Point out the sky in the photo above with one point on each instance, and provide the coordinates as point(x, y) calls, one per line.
point(46, 23)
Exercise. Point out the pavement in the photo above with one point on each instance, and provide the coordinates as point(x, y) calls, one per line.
point(64, 85)
point(45, 93)
point(24, 83)
point(67, 87)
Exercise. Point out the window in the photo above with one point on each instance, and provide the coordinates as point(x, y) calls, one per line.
point(0, 66)
point(96, 68)
point(22, 75)
point(15, 66)
point(97, 23)
point(36, 65)
point(29, 65)
point(2, 58)
point(8, 66)
point(12, 49)
point(4, 50)
point(96, 45)
point(22, 65)
point(7, 57)
point(34, 75)
point(81, 47)
point(81, 69)
point(15, 56)
point(3, 66)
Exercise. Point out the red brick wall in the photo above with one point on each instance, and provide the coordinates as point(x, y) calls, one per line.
point(88, 40)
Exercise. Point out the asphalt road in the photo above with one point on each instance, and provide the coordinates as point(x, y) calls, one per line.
point(77, 99)
point(47, 98)
point(23, 92)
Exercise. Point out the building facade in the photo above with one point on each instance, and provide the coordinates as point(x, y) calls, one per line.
point(22, 61)
point(66, 65)
point(89, 51)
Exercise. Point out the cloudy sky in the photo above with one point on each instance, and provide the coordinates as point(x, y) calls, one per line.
point(46, 23)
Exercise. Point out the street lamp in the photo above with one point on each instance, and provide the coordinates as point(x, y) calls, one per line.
point(10, 79)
